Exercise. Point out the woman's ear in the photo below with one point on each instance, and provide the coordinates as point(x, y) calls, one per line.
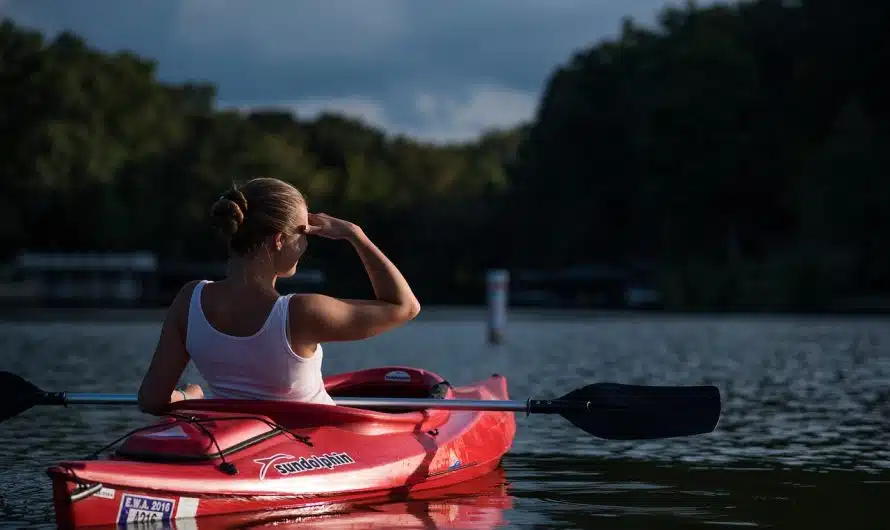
point(278, 240)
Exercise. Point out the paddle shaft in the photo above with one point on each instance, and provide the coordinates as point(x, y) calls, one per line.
point(530, 406)
point(612, 411)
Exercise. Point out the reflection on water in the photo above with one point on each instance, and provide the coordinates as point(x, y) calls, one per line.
point(570, 492)
point(804, 441)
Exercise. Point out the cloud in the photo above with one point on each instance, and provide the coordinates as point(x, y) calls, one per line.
point(434, 118)
point(482, 108)
point(438, 70)
point(371, 112)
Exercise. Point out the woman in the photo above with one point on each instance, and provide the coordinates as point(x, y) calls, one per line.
point(248, 341)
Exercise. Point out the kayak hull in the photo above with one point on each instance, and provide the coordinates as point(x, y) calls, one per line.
point(223, 457)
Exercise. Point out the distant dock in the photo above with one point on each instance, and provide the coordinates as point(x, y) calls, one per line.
point(109, 280)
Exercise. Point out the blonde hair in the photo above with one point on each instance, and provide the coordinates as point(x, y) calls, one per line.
point(245, 215)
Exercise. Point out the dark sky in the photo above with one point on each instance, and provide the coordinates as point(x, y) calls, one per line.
point(435, 69)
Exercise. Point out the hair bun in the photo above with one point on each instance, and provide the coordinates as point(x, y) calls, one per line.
point(228, 212)
point(238, 198)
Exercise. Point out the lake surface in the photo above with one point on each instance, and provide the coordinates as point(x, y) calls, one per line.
point(804, 441)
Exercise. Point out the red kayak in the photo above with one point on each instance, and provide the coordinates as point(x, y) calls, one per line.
point(226, 457)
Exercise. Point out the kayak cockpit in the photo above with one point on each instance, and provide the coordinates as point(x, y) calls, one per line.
point(202, 429)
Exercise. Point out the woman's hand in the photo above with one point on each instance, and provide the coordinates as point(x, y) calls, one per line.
point(324, 225)
point(191, 391)
point(194, 391)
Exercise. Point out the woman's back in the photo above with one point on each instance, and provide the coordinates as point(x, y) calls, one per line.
point(237, 331)
point(244, 356)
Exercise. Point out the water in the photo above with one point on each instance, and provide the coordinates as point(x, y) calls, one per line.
point(804, 441)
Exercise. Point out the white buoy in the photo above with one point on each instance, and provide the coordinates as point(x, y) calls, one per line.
point(497, 282)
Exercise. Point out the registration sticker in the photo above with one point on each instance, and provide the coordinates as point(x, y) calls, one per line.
point(105, 493)
point(140, 508)
point(453, 460)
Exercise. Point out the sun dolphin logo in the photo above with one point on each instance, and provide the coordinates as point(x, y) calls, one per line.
point(292, 465)
point(266, 462)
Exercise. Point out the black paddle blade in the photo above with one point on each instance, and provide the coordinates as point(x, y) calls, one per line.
point(631, 412)
point(18, 395)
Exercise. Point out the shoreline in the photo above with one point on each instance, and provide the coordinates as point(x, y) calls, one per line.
point(448, 312)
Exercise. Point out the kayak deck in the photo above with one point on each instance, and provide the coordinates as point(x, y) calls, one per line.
point(214, 457)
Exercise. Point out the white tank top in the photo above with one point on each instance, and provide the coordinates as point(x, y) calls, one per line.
point(261, 366)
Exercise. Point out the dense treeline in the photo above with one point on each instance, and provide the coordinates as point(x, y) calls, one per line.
point(742, 148)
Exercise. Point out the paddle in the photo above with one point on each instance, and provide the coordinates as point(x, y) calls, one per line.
point(612, 411)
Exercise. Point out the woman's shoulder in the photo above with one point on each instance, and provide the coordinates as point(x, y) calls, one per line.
point(300, 307)
point(185, 292)
point(180, 304)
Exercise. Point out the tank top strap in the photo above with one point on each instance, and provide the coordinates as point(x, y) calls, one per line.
point(195, 315)
point(195, 300)
point(282, 314)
